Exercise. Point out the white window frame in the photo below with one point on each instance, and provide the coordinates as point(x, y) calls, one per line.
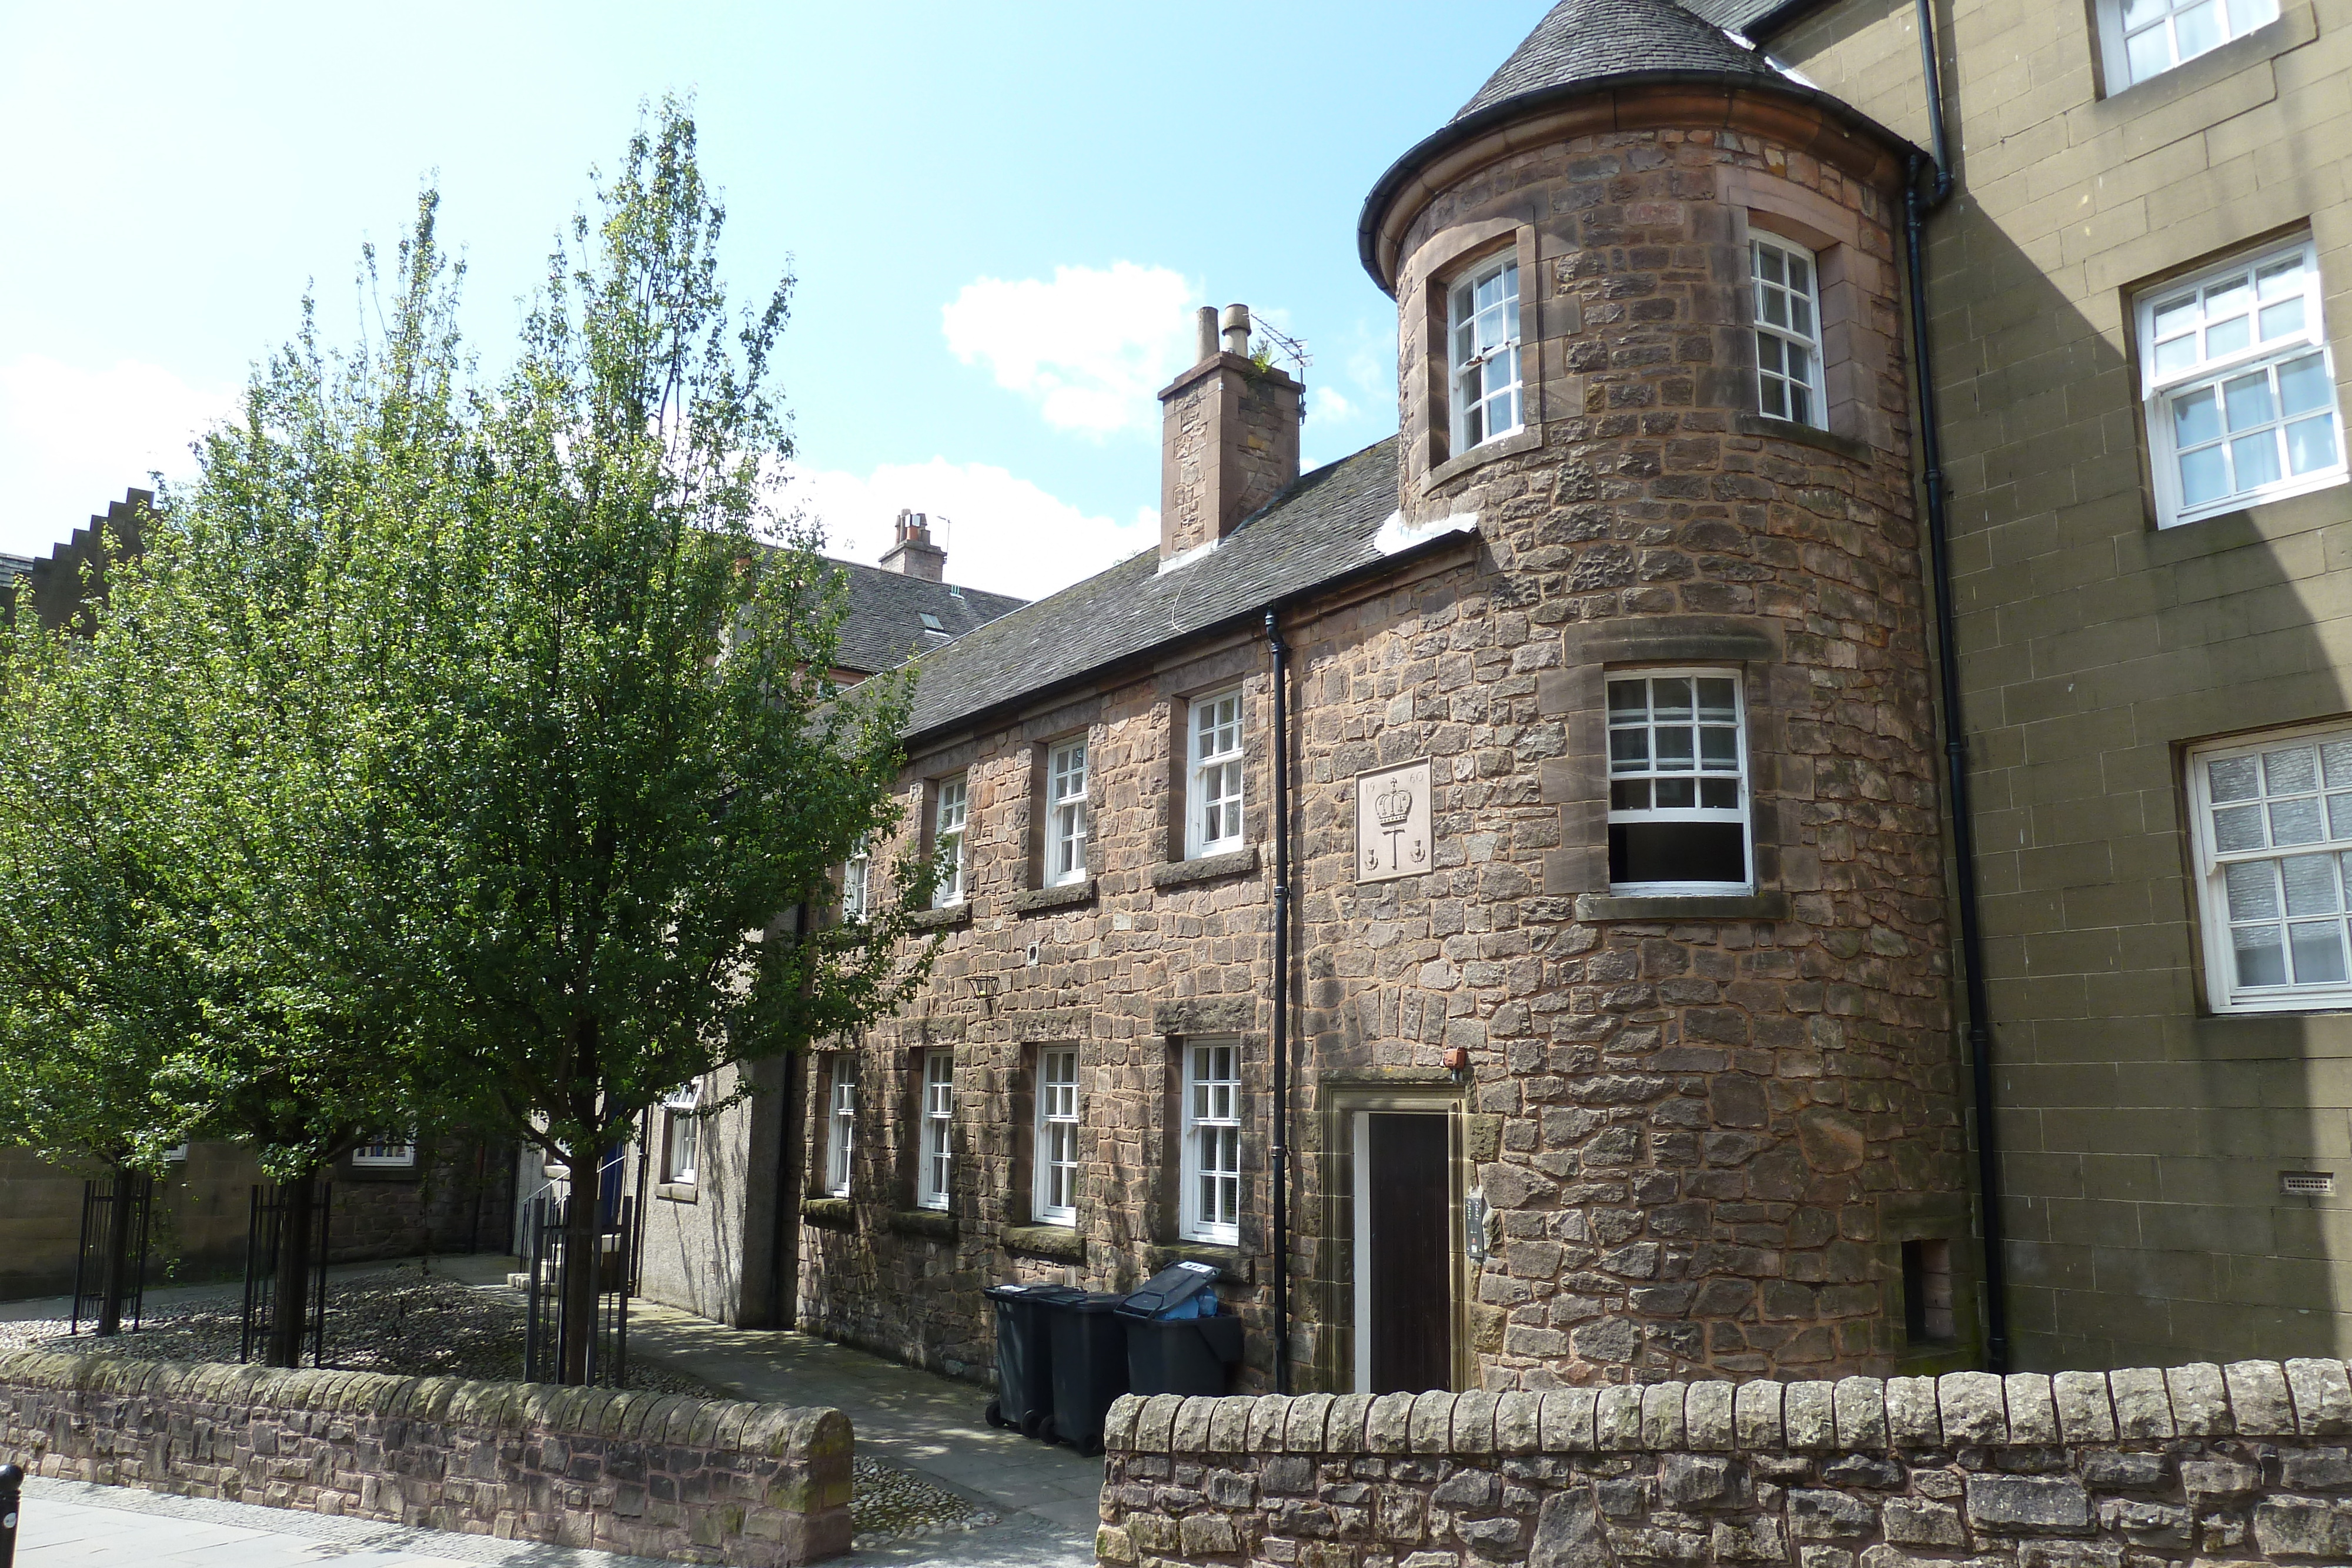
point(378, 1152)
point(1788, 324)
point(1215, 820)
point(936, 1177)
point(1482, 328)
point(1054, 1196)
point(951, 816)
point(1624, 770)
point(1210, 1170)
point(2163, 27)
point(1067, 809)
point(2176, 380)
point(841, 1122)
point(2331, 818)
point(681, 1153)
point(856, 881)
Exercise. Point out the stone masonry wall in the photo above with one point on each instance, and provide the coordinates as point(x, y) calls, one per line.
point(2238, 1465)
point(664, 1476)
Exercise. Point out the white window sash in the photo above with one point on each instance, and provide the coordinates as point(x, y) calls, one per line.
point(681, 1135)
point(1461, 368)
point(1815, 413)
point(1218, 785)
point(841, 1125)
point(948, 829)
point(1055, 1152)
point(937, 1147)
point(2218, 929)
point(1067, 851)
point(1210, 1168)
point(1740, 815)
point(2161, 391)
point(856, 877)
point(379, 1153)
point(2115, 41)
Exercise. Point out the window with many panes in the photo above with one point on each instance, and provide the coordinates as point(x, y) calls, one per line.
point(2144, 38)
point(2273, 835)
point(382, 1151)
point(1211, 1174)
point(841, 1123)
point(1787, 333)
point(939, 1129)
point(681, 1135)
point(1066, 785)
point(1482, 321)
point(1055, 1196)
point(947, 841)
point(1677, 782)
point(856, 878)
point(1213, 821)
point(2239, 385)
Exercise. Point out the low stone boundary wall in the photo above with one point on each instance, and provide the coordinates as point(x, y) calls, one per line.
point(701, 1481)
point(2250, 1463)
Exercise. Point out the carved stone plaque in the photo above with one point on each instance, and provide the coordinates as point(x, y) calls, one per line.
point(1393, 838)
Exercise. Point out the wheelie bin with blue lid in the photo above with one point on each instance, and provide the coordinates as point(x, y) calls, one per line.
point(1025, 1357)
point(1177, 1341)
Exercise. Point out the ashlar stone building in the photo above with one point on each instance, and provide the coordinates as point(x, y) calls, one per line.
point(1712, 853)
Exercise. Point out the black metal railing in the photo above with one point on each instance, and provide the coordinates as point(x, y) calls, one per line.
point(265, 1232)
point(548, 1259)
point(110, 1265)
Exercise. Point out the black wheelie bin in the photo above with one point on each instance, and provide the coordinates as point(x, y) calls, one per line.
point(1089, 1364)
point(1177, 1341)
point(1025, 1358)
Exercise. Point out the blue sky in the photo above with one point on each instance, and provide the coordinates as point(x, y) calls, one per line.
point(1001, 217)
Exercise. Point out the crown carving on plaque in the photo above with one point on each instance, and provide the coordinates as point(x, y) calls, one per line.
point(1393, 804)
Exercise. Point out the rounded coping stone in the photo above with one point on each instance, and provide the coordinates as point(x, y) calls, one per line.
point(1972, 1409)
point(1518, 1424)
point(2143, 1405)
point(1707, 1416)
point(1809, 1416)
point(1431, 1426)
point(2200, 1401)
point(1344, 1430)
point(2086, 1411)
point(1473, 1423)
point(1190, 1433)
point(1912, 1418)
point(1617, 1418)
point(2323, 1399)
point(1269, 1413)
point(1388, 1429)
point(1662, 1416)
point(1228, 1424)
point(1756, 1415)
point(1564, 1423)
point(1118, 1422)
point(2033, 1408)
point(1157, 1424)
point(1303, 1433)
point(1861, 1408)
point(2259, 1401)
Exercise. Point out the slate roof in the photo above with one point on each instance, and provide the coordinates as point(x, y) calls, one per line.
point(1584, 40)
point(885, 627)
point(1321, 528)
point(1750, 18)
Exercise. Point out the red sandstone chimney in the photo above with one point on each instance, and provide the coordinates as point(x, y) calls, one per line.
point(1229, 438)
point(915, 555)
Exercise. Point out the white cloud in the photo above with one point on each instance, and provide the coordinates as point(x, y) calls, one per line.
point(1001, 533)
point(1090, 347)
point(1329, 401)
point(73, 439)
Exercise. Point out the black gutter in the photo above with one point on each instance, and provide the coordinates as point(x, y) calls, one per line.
point(1279, 1151)
point(1921, 196)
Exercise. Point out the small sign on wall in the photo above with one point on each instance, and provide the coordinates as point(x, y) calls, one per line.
point(1392, 836)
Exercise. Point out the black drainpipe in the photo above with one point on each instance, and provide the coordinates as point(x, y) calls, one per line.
point(1278, 1153)
point(1921, 196)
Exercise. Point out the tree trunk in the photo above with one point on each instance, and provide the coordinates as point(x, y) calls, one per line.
point(114, 1267)
point(583, 1266)
point(289, 1303)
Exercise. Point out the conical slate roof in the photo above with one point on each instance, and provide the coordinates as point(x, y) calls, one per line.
point(1584, 40)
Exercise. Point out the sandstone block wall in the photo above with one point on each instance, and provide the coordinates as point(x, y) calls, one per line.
point(2246, 1464)
point(664, 1475)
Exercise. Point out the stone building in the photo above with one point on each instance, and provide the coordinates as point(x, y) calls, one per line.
point(1637, 815)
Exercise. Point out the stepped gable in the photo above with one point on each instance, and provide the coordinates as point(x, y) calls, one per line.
point(884, 627)
point(1589, 40)
point(1323, 528)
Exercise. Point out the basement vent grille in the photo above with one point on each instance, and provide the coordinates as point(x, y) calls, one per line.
point(2307, 1184)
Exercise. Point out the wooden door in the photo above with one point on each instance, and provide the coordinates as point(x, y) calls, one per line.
point(1405, 1271)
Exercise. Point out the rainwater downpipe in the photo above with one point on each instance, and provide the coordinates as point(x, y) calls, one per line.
point(1278, 1148)
point(1928, 186)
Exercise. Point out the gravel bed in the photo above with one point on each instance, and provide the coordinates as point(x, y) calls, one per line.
point(887, 1504)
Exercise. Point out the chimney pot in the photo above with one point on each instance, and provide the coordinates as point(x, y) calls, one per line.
point(1208, 335)
point(1237, 330)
